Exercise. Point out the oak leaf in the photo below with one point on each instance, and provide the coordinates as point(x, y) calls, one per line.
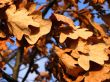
point(82, 33)
point(75, 53)
point(20, 23)
point(64, 19)
point(83, 61)
point(98, 75)
point(96, 54)
point(87, 19)
point(65, 58)
point(68, 61)
point(45, 27)
point(82, 46)
point(5, 2)
point(97, 26)
point(2, 34)
point(106, 19)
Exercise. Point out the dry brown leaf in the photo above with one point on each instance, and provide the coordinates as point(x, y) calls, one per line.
point(3, 45)
point(63, 37)
point(83, 61)
point(67, 60)
point(64, 19)
point(75, 71)
point(106, 19)
point(82, 46)
point(87, 18)
point(100, 29)
point(97, 27)
point(73, 2)
point(44, 74)
point(45, 27)
point(5, 53)
point(2, 64)
point(21, 23)
point(31, 7)
point(97, 53)
point(99, 75)
point(0, 75)
point(79, 78)
point(107, 40)
point(95, 1)
point(82, 33)
point(98, 1)
point(5, 2)
point(66, 78)
point(41, 45)
point(67, 50)
point(75, 54)
point(2, 34)
point(22, 4)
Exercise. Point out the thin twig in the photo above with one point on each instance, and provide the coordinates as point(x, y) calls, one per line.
point(19, 58)
point(23, 68)
point(41, 58)
point(13, 54)
point(5, 62)
point(48, 7)
point(7, 77)
point(31, 63)
point(17, 65)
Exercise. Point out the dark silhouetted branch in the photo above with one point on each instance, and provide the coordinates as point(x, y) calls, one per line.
point(48, 7)
point(33, 55)
point(7, 77)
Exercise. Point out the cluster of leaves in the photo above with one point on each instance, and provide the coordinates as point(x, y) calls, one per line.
point(78, 54)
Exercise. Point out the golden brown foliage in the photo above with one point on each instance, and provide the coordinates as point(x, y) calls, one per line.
point(78, 53)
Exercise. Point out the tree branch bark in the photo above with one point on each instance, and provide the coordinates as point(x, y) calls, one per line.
point(19, 57)
point(48, 7)
point(17, 66)
point(7, 77)
point(33, 55)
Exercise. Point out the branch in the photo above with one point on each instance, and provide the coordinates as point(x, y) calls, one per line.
point(31, 63)
point(48, 7)
point(13, 54)
point(17, 65)
point(5, 61)
point(7, 77)
point(19, 57)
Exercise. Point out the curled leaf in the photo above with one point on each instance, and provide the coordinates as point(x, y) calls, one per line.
point(19, 21)
point(31, 26)
point(65, 58)
point(64, 19)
